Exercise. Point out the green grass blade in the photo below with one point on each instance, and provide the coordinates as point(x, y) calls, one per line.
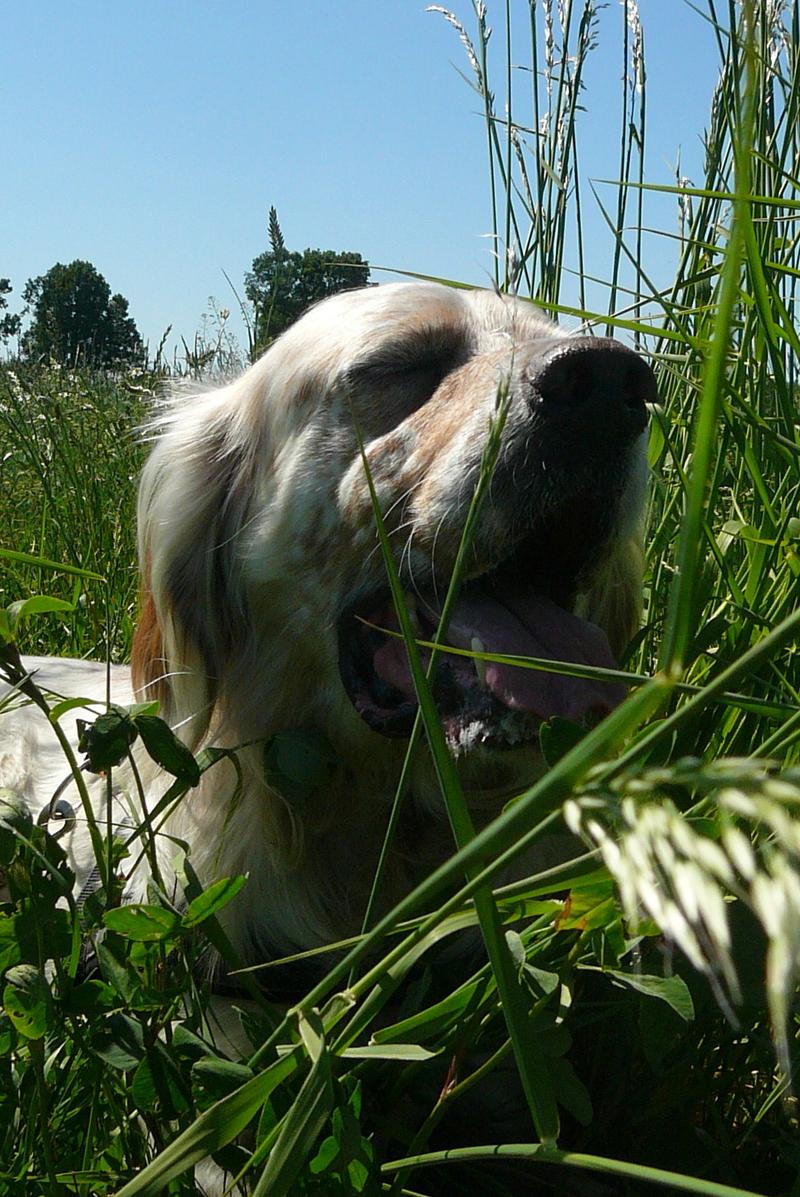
point(533, 1072)
point(214, 1129)
point(681, 612)
point(44, 563)
point(540, 1153)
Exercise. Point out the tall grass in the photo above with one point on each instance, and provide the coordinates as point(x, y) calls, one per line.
point(645, 992)
point(68, 469)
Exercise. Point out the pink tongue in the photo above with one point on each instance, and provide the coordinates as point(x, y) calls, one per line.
point(527, 624)
point(524, 624)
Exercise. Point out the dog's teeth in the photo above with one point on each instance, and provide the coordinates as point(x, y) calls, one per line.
point(477, 646)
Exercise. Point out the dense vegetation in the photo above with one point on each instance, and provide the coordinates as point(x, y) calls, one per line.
point(282, 283)
point(75, 320)
point(647, 993)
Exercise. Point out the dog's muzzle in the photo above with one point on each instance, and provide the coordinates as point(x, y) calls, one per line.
point(565, 490)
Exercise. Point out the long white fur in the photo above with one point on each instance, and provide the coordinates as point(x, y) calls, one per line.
point(255, 530)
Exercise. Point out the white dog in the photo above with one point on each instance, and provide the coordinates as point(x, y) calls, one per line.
point(262, 587)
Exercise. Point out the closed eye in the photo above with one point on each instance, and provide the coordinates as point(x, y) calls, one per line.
point(395, 380)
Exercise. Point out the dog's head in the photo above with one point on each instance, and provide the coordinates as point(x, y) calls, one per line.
point(263, 579)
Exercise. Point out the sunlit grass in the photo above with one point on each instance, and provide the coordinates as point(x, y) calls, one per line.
point(645, 990)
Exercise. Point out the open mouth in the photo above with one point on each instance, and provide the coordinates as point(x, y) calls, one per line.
point(518, 608)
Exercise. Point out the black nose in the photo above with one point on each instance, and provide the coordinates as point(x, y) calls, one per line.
point(595, 386)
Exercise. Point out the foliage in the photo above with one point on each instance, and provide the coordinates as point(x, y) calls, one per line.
point(130, 1027)
point(9, 323)
point(70, 499)
point(646, 985)
point(282, 283)
point(77, 321)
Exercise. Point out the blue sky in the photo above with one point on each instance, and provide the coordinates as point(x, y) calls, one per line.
point(151, 137)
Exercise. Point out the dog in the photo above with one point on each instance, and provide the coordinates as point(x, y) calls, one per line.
point(266, 609)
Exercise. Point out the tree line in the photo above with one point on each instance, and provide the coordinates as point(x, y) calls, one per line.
point(71, 316)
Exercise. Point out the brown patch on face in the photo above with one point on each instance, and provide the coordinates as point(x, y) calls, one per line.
point(414, 464)
point(461, 393)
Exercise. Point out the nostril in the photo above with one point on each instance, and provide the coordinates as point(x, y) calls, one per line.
point(595, 384)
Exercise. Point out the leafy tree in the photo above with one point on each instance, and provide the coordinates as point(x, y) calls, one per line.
point(283, 283)
point(77, 319)
point(9, 324)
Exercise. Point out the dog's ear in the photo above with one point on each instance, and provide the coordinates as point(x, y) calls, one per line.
point(193, 503)
point(148, 663)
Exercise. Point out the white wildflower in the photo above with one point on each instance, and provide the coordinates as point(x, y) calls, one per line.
point(573, 814)
point(549, 44)
point(739, 851)
point(464, 37)
point(684, 205)
point(776, 901)
point(637, 44)
point(738, 803)
point(668, 868)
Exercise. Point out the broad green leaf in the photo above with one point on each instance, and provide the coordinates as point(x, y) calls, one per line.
point(59, 709)
point(656, 443)
point(92, 997)
point(517, 948)
point(119, 1040)
point(211, 755)
point(166, 749)
point(213, 1078)
point(212, 900)
point(588, 906)
point(38, 604)
point(554, 1038)
point(143, 923)
point(327, 1154)
point(544, 980)
point(189, 1045)
point(115, 967)
point(15, 821)
point(107, 740)
point(27, 1000)
point(137, 709)
point(660, 1031)
point(10, 946)
point(358, 1174)
point(571, 1093)
point(672, 990)
point(298, 762)
point(7, 1036)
